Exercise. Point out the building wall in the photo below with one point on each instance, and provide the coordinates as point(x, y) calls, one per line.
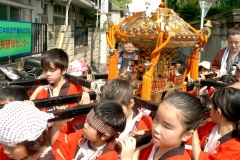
point(55, 18)
point(89, 53)
point(218, 34)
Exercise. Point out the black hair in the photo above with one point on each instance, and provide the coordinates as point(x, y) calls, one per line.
point(117, 44)
point(206, 102)
point(13, 93)
point(227, 100)
point(182, 67)
point(190, 107)
point(118, 90)
point(89, 71)
point(57, 56)
point(127, 76)
point(111, 113)
point(200, 68)
point(234, 31)
point(34, 147)
point(228, 79)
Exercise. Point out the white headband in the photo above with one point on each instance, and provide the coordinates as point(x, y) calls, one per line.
point(20, 121)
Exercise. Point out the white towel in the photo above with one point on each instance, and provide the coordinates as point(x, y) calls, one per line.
point(223, 69)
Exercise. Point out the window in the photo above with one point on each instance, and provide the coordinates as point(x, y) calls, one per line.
point(45, 9)
point(10, 13)
point(3, 12)
point(23, 1)
point(59, 9)
point(59, 21)
point(64, 10)
point(55, 8)
point(81, 36)
point(15, 14)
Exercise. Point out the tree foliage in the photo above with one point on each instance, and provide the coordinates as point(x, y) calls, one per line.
point(121, 3)
point(190, 10)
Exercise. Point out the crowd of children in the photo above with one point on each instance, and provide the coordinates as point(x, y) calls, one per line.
point(185, 126)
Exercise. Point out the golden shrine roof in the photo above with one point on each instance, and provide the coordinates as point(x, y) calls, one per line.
point(141, 30)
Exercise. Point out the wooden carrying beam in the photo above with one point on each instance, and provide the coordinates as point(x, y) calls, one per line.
point(61, 100)
point(140, 141)
point(81, 80)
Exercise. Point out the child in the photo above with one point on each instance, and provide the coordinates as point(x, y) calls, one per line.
point(79, 68)
point(104, 122)
point(9, 94)
point(220, 139)
point(207, 103)
point(204, 68)
point(55, 64)
point(177, 117)
point(23, 132)
point(228, 79)
point(13, 93)
point(121, 91)
point(127, 76)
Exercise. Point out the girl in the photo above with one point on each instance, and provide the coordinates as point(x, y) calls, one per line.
point(79, 68)
point(121, 91)
point(177, 117)
point(220, 139)
point(23, 132)
point(95, 141)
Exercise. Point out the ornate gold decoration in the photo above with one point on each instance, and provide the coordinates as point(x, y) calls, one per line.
point(107, 24)
point(142, 30)
point(157, 38)
point(207, 31)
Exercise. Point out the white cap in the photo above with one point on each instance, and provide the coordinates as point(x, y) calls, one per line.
point(20, 121)
point(205, 64)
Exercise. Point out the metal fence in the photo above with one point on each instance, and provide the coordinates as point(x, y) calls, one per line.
point(39, 38)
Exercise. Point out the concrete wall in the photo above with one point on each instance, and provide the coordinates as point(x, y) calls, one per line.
point(89, 53)
point(29, 12)
point(218, 36)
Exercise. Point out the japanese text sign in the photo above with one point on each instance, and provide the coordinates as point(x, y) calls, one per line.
point(15, 38)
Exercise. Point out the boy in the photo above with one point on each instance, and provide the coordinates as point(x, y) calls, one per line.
point(13, 93)
point(96, 140)
point(55, 65)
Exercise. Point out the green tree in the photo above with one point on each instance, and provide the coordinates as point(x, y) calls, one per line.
point(190, 10)
point(121, 3)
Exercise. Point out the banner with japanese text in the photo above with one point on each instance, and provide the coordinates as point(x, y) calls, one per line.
point(15, 38)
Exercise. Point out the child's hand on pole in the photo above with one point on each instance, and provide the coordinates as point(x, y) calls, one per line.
point(128, 148)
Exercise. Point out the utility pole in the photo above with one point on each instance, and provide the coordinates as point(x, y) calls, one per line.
point(204, 9)
point(103, 41)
